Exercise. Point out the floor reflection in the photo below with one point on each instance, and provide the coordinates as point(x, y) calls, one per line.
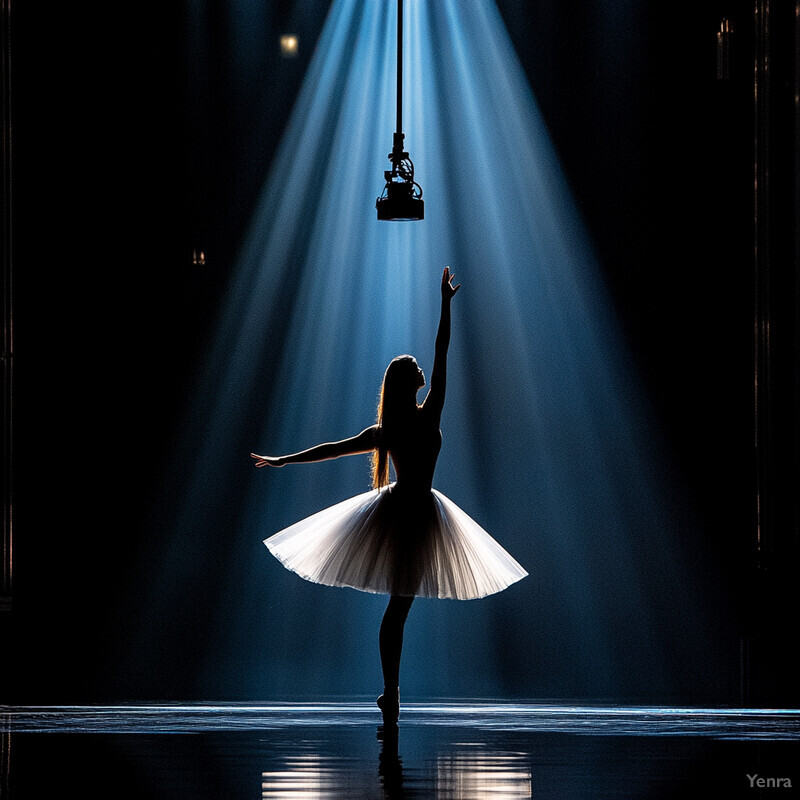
point(471, 770)
point(289, 753)
point(307, 776)
point(459, 771)
point(390, 763)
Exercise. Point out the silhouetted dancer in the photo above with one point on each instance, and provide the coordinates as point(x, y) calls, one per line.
point(404, 539)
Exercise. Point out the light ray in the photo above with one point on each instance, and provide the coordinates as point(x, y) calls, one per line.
point(548, 442)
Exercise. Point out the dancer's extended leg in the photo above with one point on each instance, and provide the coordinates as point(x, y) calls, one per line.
point(391, 646)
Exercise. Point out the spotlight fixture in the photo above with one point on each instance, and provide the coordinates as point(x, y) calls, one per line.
point(402, 195)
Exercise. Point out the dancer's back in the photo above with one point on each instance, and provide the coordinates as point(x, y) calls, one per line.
point(414, 448)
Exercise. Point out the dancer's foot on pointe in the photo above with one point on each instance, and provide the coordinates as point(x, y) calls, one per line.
point(389, 704)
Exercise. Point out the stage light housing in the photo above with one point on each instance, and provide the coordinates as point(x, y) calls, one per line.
point(399, 204)
point(402, 196)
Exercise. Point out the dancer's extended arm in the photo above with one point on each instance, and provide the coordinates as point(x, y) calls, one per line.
point(364, 442)
point(435, 399)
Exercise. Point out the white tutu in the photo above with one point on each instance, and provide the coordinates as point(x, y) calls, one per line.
point(390, 541)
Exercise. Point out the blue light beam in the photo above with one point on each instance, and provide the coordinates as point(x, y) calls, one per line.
point(547, 438)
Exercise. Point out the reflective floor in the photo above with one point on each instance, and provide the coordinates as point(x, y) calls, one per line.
point(452, 751)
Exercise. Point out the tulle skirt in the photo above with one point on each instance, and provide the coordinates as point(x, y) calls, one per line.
point(391, 541)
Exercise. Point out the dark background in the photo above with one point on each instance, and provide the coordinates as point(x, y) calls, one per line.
point(134, 143)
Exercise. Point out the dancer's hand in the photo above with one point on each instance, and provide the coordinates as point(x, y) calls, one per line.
point(448, 290)
point(268, 461)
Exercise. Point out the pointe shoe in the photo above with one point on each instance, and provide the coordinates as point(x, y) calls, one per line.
point(389, 705)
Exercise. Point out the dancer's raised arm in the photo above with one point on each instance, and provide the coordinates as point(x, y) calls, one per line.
point(435, 399)
point(364, 442)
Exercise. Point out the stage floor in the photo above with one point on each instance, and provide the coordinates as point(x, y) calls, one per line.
point(447, 751)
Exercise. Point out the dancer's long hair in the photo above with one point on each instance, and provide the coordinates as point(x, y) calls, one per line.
point(400, 372)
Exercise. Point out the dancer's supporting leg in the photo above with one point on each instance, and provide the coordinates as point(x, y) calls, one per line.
point(391, 646)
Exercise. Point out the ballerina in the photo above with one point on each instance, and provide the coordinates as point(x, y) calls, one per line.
point(403, 538)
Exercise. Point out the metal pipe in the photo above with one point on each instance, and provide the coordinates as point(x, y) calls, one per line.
point(399, 66)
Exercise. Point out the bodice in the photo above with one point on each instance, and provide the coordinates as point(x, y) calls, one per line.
point(414, 450)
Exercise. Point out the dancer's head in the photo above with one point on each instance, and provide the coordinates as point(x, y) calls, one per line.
point(402, 375)
point(401, 382)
